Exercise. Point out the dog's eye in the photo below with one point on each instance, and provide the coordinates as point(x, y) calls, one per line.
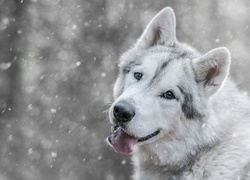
point(138, 75)
point(168, 95)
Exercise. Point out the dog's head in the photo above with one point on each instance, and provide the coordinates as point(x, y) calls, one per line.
point(163, 86)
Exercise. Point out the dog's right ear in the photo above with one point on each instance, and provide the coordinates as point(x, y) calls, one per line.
point(211, 69)
point(160, 30)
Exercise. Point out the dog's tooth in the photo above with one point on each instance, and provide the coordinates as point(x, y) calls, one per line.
point(112, 129)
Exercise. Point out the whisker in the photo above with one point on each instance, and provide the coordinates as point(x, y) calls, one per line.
point(106, 111)
point(108, 103)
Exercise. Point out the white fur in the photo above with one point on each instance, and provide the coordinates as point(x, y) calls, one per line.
point(217, 60)
point(206, 138)
point(165, 21)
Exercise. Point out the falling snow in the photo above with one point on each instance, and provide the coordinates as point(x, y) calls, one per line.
point(52, 110)
point(58, 63)
point(204, 125)
point(78, 63)
point(5, 66)
point(74, 26)
point(99, 157)
point(10, 138)
point(123, 162)
point(30, 151)
point(53, 154)
point(103, 74)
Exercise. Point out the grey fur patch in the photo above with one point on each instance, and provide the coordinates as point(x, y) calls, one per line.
point(157, 76)
point(164, 65)
point(126, 69)
point(188, 107)
point(246, 172)
point(176, 171)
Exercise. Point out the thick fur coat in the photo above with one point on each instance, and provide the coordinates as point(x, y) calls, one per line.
point(177, 112)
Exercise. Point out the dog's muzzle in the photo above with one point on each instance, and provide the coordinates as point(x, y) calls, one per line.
point(120, 139)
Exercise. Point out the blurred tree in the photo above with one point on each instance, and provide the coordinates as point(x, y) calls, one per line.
point(13, 24)
point(12, 42)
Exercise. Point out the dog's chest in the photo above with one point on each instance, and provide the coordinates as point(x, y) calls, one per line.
point(147, 171)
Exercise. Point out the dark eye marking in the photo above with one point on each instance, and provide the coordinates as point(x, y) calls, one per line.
point(168, 95)
point(138, 75)
point(188, 107)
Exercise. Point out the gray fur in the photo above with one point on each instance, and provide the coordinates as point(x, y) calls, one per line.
point(187, 106)
point(126, 69)
point(245, 172)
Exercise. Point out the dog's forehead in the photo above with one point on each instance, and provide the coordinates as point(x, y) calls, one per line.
point(156, 55)
point(154, 60)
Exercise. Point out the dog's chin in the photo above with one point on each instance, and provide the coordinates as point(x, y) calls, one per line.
point(124, 142)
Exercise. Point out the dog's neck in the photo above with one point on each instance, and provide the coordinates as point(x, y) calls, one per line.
point(171, 155)
point(177, 154)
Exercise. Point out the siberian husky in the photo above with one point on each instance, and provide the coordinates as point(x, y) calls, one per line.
point(177, 112)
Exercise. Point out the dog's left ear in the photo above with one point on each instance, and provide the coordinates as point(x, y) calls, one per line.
point(211, 69)
point(160, 30)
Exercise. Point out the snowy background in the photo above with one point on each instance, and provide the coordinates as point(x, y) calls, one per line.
point(58, 62)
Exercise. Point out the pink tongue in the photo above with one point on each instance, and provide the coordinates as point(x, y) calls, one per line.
point(122, 142)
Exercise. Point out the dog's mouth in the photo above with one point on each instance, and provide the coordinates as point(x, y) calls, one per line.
point(122, 142)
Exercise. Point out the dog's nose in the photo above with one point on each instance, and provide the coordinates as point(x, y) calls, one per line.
point(123, 112)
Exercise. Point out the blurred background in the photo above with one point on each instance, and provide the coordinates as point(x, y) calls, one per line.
point(58, 63)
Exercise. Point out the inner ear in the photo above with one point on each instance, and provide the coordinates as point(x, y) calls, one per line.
point(156, 36)
point(211, 69)
point(212, 72)
point(160, 30)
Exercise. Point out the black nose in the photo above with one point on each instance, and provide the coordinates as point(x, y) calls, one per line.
point(123, 112)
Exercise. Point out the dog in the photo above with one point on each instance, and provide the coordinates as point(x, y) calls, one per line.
point(177, 112)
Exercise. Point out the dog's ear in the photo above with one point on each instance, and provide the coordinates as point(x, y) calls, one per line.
point(160, 30)
point(211, 69)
